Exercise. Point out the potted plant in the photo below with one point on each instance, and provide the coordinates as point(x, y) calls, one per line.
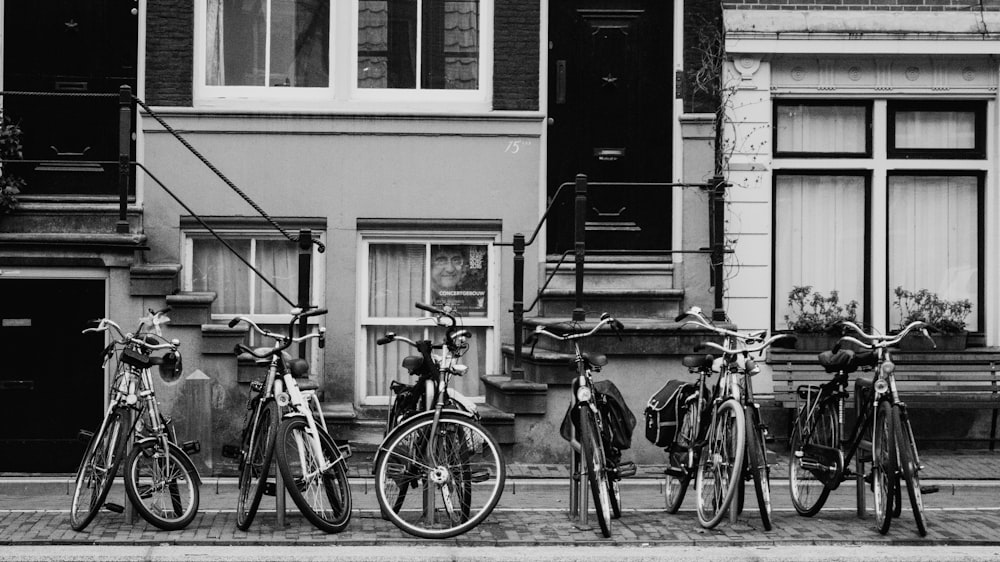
point(10, 149)
point(946, 316)
point(812, 314)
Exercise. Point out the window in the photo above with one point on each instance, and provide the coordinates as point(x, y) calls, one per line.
point(864, 219)
point(210, 266)
point(419, 44)
point(455, 274)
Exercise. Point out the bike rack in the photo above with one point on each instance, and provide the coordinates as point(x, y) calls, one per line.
point(578, 508)
point(859, 464)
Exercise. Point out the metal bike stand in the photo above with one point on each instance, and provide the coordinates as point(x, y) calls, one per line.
point(577, 481)
point(279, 497)
point(859, 463)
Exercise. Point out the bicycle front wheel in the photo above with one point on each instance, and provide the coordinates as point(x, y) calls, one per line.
point(592, 453)
point(721, 465)
point(162, 485)
point(97, 470)
point(316, 480)
point(816, 432)
point(454, 468)
point(679, 461)
point(256, 454)
point(884, 478)
point(757, 464)
point(908, 465)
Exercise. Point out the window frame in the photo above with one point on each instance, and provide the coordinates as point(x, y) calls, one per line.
point(366, 322)
point(866, 104)
point(978, 152)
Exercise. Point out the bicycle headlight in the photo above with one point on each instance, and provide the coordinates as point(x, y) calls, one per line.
point(172, 366)
point(282, 399)
point(583, 394)
point(881, 386)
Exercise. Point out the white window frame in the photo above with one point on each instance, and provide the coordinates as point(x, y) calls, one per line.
point(879, 165)
point(366, 322)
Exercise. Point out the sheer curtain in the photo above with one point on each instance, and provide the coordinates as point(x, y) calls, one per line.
point(215, 269)
point(821, 128)
point(933, 239)
point(395, 283)
point(936, 129)
point(819, 237)
point(278, 261)
point(215, 54)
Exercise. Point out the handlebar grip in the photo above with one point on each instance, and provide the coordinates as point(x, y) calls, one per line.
point(461, 333)
point(385, 339)
point(322, 342)
point(313, 312)
point(681, 316)
point(240, 348)
point(234, 322)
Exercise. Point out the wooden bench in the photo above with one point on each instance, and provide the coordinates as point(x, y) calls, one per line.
point(968, 380)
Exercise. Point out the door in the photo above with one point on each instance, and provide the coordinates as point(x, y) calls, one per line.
point(69, 47)
point(52, 383)
point(610, 64)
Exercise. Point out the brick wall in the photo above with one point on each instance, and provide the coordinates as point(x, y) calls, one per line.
point(515, 54)
point(169, 52)
point(905, 5)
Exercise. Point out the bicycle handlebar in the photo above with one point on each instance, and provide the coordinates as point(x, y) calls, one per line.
point(283, 341)
point(606, 319)
point(702, 321)
point(876, 341)
point(124, 338)
point(752, 349)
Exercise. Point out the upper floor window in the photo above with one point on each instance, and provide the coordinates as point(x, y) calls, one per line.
point(921, 129)
point(844, 126)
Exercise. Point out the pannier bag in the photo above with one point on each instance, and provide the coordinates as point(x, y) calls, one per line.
point(619, 422)
point(665, 410)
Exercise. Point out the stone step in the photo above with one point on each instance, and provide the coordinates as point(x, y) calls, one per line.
point(65, 215)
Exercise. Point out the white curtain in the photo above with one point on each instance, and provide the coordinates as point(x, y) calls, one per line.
point(215, 70)
point(819, 237)
point(933, 240)
point(821, 128)
point(278, 261)
point(216, 269)
point(936, 129)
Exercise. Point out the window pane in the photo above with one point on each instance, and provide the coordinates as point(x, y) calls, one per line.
point(936, 129)
point(450, 44)
point(384, 361)
point(300, 43)
point(459, 277)
point(278, 261)
point(821, 128)
point(387, 43)
point(237, 38)
point(474, 357)
point(933, 240)
point(216, 269)
point(395, 279)
point(819, 237)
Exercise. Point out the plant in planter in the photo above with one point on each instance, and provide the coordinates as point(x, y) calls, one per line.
point(10, 149)
point(812, 314)
point(946, 316)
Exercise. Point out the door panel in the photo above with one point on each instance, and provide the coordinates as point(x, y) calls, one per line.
point(69, 46)
point(610, 104)
point(52, 383)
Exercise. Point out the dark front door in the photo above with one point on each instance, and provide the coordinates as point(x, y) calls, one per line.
point(52, 383)
point(610, 66)
point(68, 47)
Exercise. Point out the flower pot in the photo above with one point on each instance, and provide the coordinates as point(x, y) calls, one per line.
point(814, 341)
point(945, 342)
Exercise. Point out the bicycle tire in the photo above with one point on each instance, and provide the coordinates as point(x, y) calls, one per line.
point(108, 446)
point(908, 466)
point(256, 456)
point(757, 464)
point(322, 496)
point(615, 497)
point(465, 462)
point(592, 453)
point(679, 472)
point(809, 493)
point(721, 463)
point(158, 482)
point(884, 477)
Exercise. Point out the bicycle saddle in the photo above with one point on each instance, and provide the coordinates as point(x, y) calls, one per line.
point(596, 359)
point(413, 362)
point(846, 360)
point(698, 361)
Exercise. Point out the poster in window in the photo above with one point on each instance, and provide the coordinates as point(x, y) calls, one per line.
point(458, 278)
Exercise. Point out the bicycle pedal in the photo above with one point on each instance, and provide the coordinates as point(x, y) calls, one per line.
point(478, 476)
point(625, 469)
point(114, 508)
point(84, 435)
point(675, 472)
point(345, 450)
point(270, 489)
point(929, 490)
point(231, 452)
point(192, 447)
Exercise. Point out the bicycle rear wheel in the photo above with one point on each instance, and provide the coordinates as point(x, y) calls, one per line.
point(678, 474)
point(721, 465)
point(908, 465)
point(162, 484)
point(593, 455)
point(884, 477)
point(808, 492)
point(97, 470)
point(256, 454)
point(455, 470)
point(757, 464)
point(317, 484)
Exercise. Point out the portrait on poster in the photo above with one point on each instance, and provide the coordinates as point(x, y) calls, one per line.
point(459, 277)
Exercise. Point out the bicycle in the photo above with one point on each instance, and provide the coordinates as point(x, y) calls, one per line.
point(733, 449)
point(592, 451)
point(284, 417)
point(434, 442)
point(161, 482)
point(819, 455)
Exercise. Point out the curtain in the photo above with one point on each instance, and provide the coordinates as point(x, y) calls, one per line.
point(844, 128)
point(819, 237)
point(215, 70)
point(933, 239)
point(278, 261)
point(396, 279)
point(936, 129)
point(215, 269)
